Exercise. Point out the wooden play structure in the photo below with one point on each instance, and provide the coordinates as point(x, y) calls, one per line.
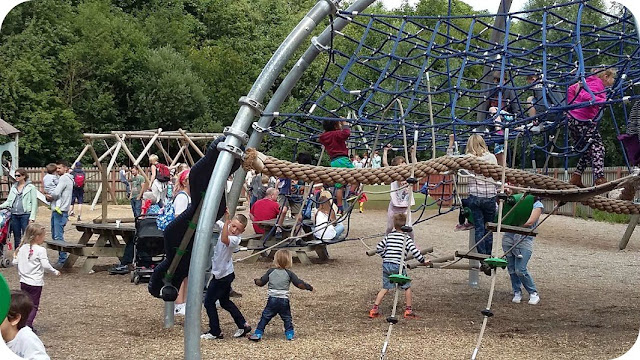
point(190, 149)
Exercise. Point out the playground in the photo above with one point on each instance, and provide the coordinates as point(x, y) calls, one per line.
point(589, 305)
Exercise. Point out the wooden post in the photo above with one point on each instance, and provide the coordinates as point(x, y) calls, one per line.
point(84, 151)
point(193, 145)
point(105, 203)
point(182, 149)
point(166, 154)
point(146, 148)
point(107, 153)
point(105, 184)
point(131, 157)
point(633, 222)
point(188, 154)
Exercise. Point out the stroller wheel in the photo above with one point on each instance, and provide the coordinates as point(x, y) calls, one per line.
point(136, 279)
point(6, 262)
point(133, 275)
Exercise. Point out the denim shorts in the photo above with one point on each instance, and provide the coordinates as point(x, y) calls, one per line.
point(389, 269)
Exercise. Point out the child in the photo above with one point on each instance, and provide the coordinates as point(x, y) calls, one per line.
point(518, 257)
point(583, 123)
point(279, 279)
point(222, 276)
point(50, 181)
point(391, 250)
point(482, 195)
point(361, 200)
point(401, 194)
point(334, 140)
point(32, 261)
point(15, 331)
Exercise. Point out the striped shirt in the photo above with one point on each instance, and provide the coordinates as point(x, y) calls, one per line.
point(390, 248)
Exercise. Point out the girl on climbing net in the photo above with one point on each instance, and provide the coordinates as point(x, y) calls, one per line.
point(334, 140)
point(583, 122)
point(482, 195)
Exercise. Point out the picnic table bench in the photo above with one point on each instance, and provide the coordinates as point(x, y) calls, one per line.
point(259, 242)
point(108, 243)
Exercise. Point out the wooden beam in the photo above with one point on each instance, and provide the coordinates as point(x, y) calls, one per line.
point(102, 184)
point(193, 145)
point(166, 154)
point(146, 148)
point(633, 222)
point(105, 203)
point(175, 159)
point(188, 155)
point(132, 158)
point(84, 151)
point(106, 153)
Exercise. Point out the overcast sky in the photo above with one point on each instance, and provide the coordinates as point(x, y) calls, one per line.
point(491, 5)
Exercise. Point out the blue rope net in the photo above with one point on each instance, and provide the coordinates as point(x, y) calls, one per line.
point(449, 62)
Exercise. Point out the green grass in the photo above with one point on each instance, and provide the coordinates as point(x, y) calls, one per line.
point(599, 215)
point(381, 201)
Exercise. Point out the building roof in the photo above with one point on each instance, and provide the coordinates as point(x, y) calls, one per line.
point(7, 129)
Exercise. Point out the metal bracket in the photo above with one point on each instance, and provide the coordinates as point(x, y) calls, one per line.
point(242, 136)
point(252, 103)
point(320, 47)
point(258, 128)
point(333, 4)
point(234, 150)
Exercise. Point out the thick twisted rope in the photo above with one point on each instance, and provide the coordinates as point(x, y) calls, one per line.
point(532, 183)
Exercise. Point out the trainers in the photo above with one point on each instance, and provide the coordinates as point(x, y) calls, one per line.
point(409, 314)
point(119, 269)
point(242, 332)
point(534, 299)
point(517, 297)
point(210, 336)
point(373, 313)
point(289, 335)
point(180, 309)
point(257, 336)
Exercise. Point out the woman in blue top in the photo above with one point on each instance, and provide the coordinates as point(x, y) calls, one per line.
point(518, 257)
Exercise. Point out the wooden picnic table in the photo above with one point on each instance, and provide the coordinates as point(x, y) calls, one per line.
point(108, 244)
point(258, 243)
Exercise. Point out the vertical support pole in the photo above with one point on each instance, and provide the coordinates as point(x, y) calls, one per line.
point(105, 203)
point(474, 278)
point(633, 222)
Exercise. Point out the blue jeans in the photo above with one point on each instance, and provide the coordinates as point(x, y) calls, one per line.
point(58, 221)
point(339, 230)
point(517, 260)
point(483, 210)
point(18, 224)
point(136, 207)
point(276, 306)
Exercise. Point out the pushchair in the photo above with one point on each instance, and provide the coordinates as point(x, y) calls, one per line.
point(148, 249)
point(5, 220)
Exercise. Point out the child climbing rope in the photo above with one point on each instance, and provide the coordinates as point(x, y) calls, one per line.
point(391, 248)
point(583, 122)
point(334, 140)
point(279, 279)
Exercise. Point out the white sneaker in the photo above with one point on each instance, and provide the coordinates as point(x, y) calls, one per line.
point(534, 299)
point(242, 332)
point(517, 297)
point(180, 309)
point(209, 336)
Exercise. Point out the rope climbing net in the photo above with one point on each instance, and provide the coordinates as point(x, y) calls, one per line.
point(440, 75)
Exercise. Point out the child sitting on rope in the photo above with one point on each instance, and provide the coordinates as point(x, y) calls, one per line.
point(583, 123)
point(391, 248)
point(334, 140)
point(279, 279)
point(401, 192)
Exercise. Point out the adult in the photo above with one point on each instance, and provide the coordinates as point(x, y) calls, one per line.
point(77, 195)
point(123, 179)
point(376, 160)
point(265, 209)
point(291, 194)
point(324, 219)
point(181, 201)
point(158, 179)
point(60, 215)
point(137, 189)
point(258, 188)
point(23, 204)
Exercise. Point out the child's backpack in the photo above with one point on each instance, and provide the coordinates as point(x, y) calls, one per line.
point(162, 172)
point(167, 214)
point(78, 179)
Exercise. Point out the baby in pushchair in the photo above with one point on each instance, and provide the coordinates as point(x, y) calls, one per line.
point(148, 247)
point(5, 219)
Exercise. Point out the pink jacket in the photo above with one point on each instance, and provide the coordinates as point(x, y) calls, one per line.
point(588, 112)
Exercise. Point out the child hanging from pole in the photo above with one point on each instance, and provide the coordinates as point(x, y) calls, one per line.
point(334, 140)
point(583, 123)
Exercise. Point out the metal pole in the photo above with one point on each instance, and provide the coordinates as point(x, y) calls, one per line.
point(318, 45)
point(474, 278)
point(230, 148)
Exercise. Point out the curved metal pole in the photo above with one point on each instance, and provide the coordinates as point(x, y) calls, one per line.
point(6, 6)
point(318, 45)
point(230, 149)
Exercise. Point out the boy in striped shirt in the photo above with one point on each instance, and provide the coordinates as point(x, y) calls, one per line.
point(391, 250)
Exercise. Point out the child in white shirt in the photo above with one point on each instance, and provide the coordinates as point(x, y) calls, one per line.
point(19, 337)
point(32, 261)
